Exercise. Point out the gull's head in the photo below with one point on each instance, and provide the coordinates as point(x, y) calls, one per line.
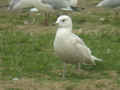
point(64, 21)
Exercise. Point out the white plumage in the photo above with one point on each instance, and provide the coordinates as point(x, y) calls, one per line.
point(73, 3)
point(34, 10)
point(109, 3)
point(20, 4)
point(69, 47)
point(45, 5)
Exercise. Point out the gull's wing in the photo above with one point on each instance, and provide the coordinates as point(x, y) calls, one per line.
point(79, 43)
point(81, 47)
point(20, 4)
point(12, 4)
point(58, 4)
point(74, 3)
point(109, 3)
point(83, 51)
point(78, 40)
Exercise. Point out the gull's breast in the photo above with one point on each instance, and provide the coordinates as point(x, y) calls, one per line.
point(66, 50)
point(71, 52)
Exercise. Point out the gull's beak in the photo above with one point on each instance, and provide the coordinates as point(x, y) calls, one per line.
point(56, 23)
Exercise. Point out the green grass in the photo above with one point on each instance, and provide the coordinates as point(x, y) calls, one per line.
point(23, 54)
point(26, 51)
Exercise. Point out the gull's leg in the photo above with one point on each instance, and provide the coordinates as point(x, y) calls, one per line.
point(46, 19)
point(64, 72)
point(33, 19)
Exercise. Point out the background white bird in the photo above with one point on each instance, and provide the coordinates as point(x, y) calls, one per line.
point(73, 4)
point(69, 47)
point(109, 3)
point(34, 10)
point(115, 4)
point(19, 4)
point(47, 6)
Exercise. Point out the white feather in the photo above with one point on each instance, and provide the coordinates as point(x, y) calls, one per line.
point(43, 5)
point(69, 47)
point(109, 3)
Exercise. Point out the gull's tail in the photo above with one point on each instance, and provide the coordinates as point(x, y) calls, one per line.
point(97, 59)
point(100, 4)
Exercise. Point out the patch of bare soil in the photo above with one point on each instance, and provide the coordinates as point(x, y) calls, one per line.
point(85, 84)
point(36, 28)
point(27, 84)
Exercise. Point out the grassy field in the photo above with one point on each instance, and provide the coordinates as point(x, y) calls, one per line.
point(26, 51)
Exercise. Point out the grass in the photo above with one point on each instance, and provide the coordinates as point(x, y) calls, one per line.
point(26, 52)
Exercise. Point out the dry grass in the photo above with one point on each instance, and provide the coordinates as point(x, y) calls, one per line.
point(90, 23)
point(87, 84)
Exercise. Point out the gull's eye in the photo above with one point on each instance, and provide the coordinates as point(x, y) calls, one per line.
point(63, 20)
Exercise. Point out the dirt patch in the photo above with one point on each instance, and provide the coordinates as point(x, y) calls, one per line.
point(23, 84)
point(85, 84)
point(103, 84)
point(36, 28)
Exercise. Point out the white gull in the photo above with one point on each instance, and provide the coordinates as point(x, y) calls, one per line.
point(69, 47)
